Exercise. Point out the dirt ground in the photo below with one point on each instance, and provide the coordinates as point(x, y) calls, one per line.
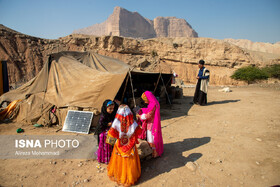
point(233, 141)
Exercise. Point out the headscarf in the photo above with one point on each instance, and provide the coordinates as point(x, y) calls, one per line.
point(105, 117)
point(125, 129)
point(143, 96)
point(109, 117)
point(156, 131)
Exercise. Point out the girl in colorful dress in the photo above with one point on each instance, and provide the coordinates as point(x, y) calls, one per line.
point(124, 166)
point(108, 112)
point(151, 126)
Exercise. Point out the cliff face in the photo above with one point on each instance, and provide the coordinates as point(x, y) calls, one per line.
point(26, 54)
point(256, 46)
point(132, 24)
point(173, 27)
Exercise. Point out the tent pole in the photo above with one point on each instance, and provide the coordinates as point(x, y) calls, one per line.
point(157, 82)
point(168, 81)
point(132, 88)
point(165, 90)
point(126, 81)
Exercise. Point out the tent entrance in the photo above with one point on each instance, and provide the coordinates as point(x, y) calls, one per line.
point(143, 81)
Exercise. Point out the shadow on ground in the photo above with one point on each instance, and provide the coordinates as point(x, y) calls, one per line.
point(172, 158)
point(222, 102)
point(180, 107)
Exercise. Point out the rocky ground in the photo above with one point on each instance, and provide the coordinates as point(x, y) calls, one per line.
point(234, 141)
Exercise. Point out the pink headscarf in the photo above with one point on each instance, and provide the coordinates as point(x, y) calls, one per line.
point(156, 131)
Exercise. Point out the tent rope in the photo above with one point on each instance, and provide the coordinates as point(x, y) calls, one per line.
point(168, 82)
point(157, 82)
point(164, 84)
point(132, 88)
point(165, 90)
point(126, 81)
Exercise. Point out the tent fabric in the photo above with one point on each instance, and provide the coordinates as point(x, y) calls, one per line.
point(77, 84)
point(35, 85)
point(70, 79)
point(81, 79)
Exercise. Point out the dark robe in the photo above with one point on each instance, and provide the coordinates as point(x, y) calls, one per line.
point(199, 96)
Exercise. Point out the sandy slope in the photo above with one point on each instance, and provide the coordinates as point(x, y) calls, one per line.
point(234, 141)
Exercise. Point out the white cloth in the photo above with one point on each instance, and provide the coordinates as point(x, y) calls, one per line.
point(143, 117)
point(204, 82)
point(124, 111)
point(150, 137)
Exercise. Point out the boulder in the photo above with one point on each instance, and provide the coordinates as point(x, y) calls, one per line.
point(144, 149)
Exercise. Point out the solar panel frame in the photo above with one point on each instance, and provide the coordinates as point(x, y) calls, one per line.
point(75, 119)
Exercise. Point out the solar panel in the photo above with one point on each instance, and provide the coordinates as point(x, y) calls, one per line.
point(77, 121)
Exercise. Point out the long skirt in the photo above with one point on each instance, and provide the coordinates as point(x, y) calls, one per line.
point(124, 168)
point(199, 96)
point(150, 140)
point(104, 150)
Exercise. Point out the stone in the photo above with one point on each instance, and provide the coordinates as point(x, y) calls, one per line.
point(219, 161)
point(191, 166)
point(258, 139)
point(144, 149)
point(86, 180)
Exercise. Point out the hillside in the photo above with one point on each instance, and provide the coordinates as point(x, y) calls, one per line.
point(26, 54)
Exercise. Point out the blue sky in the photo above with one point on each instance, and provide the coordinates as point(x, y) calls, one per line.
point(255, 20)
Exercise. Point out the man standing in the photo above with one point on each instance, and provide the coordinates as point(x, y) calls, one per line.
point(200, 95)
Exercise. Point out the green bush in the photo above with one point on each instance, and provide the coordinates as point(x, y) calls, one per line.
point(273, 71)
point(250, 74)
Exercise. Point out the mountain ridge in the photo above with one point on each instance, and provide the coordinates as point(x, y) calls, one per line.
point(132, 24)
point(25, 55)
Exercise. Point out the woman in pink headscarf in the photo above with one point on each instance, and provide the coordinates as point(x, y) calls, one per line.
point(151, 126)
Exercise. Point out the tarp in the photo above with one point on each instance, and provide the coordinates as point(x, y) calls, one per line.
point(81, 79)
point(71, 79)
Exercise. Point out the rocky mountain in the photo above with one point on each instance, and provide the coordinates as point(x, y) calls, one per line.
point(131, 24)
point(25, 55)
point(256, 46)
